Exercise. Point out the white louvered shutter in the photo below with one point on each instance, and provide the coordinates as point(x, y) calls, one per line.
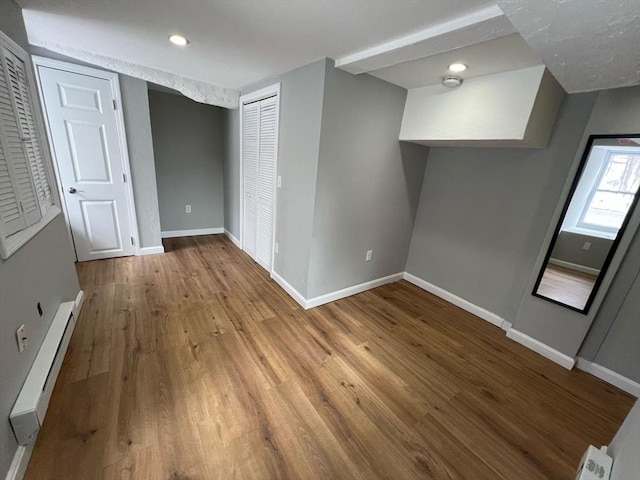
point(16, 160)
point(250, 150)
point(266, 181)
point(11, 218)
point(26, 122)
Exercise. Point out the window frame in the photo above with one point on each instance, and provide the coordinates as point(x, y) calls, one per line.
point(12, 243)
point(581, 224)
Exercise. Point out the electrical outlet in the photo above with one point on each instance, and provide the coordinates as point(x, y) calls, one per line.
point(187, 208)
point(279, 181)
point(276, 247)
point(369, 255)
point(21, 336)
point(586, 246)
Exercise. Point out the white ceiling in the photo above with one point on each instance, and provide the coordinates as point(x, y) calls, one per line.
point(494, 56)
point(235, 43)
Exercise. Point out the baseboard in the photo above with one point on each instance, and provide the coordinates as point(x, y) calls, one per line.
point(152, 250)
point(541, 348)
point(459, 302)
point(353, 290)
point(191, 233)
point(20, 462)
point(293, 293)
point(609, 376)
point(231, 237)
point(333, 296)
point(77, 305)
point(574, 266)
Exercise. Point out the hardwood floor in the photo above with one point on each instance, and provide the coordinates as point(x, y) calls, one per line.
point(566, 285)
point(195, 365)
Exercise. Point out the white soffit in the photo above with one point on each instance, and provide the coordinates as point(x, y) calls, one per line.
point(232, 43)
point(586, 44)
point(199, 91)
point(494, 56)
point(467, 29)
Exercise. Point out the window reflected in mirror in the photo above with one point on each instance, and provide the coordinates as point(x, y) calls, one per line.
point(601, 201)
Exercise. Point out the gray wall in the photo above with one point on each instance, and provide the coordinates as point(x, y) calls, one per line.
point(41, 271)
point(367, 187)
point(568, 248)
point(301, 94)
point(232, 172)
point(135, 108)
point(614, 336)
point(141, 159)
point(615, 112)
point(625, 446)
point(483, 213)
point(189, 146)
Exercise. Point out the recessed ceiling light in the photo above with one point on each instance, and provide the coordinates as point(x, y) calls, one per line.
point(178, 40)
point(457, 67)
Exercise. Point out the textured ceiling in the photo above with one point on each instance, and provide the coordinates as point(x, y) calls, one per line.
point(586, 44)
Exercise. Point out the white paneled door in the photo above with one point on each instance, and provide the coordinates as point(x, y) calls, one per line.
point(84, 129)
point(259, 160)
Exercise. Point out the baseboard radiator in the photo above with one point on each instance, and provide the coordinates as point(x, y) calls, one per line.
point(31, 406)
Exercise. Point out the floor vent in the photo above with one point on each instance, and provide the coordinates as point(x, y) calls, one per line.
point(31, 406)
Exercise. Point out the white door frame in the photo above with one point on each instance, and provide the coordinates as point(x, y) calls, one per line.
point(270, 91)
point(114, 81)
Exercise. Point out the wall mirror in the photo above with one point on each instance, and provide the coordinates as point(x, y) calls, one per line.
point(602, 198)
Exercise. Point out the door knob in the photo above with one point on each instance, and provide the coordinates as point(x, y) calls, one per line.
point(72, 190)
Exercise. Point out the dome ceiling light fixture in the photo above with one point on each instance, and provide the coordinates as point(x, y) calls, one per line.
point(457, 67)
point(451, 81)
point(178, 40)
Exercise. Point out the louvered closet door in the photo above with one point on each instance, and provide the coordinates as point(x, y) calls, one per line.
point(250, 148)
point(266, 181)
point(19, 208)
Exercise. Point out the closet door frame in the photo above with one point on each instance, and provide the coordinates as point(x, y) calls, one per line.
point(267, 92)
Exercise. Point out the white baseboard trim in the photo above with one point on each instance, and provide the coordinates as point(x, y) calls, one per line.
point(151, 250)
point(77, 304)
point(191, 233)
point(293, 293)
point(506, 326)
point(459, 302)
point(333, 296)
point(231, 237)
point(541, 348)
point(574, 266)
point(609, 376)
point(353, 290)
point(20, 462)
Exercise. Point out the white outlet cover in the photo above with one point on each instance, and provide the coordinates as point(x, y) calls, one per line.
point(188, 208)
point(279, 181)
point(276, 247)
point(21, 337)
point(369, 255)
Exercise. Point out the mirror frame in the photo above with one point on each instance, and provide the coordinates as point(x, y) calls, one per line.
point(556, 233)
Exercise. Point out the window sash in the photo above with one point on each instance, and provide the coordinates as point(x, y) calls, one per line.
point(610, 220)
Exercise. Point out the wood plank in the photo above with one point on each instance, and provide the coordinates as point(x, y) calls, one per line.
point(195, 364)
